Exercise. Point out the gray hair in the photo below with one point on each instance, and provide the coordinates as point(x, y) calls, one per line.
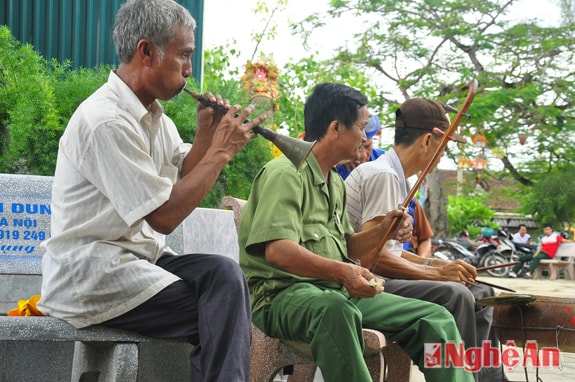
point(154, 20)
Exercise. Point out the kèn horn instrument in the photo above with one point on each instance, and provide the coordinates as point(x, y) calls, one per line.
point(472, 89)
point(295, 150)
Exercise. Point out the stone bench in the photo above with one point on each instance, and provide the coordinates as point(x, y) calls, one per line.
point(564, 261)
point(48, 349)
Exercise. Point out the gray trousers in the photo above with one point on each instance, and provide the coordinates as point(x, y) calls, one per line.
point(473, 322)
point(210, 306)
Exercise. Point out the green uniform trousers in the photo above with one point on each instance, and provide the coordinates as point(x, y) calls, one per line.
point(332, 323)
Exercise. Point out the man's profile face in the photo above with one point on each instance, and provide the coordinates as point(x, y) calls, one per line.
point(354, 138)
point(365, 150)
point(168, 75)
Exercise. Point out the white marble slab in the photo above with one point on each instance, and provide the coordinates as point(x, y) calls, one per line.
point(213, 231)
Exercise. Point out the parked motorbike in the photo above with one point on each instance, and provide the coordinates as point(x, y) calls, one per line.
point(486, 251)
point(497, 249)
point(451, 250)
point(506, 247)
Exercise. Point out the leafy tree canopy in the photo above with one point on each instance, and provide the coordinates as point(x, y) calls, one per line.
point(429, 48)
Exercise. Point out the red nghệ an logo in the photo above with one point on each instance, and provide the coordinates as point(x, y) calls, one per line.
point(451, 354)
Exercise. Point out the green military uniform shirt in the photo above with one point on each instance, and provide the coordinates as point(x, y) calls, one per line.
point(296, 205)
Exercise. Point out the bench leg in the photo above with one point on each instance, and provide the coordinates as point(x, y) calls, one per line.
point(552, 272)
point(376, 366)
point(537, 273)
point(397, 363)
point(267, 359)
point(105, 362)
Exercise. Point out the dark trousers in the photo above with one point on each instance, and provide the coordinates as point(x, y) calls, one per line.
point(534, 261)
point(210, 306)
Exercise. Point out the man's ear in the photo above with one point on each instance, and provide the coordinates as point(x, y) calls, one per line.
point(333, 128)
point(144, 50)
point(427, 137)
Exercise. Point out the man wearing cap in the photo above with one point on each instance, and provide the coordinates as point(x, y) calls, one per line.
point(422, 232)
point(379, 186)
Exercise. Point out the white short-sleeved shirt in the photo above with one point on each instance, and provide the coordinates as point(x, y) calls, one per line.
point(521, 239)
point(117, 162)
point(374, 189)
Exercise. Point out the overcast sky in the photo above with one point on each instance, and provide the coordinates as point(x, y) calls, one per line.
point(225, 20)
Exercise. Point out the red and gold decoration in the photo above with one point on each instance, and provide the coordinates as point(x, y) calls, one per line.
point(260, 81)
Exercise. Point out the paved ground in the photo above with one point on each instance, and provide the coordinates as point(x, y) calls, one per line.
point(566, 373)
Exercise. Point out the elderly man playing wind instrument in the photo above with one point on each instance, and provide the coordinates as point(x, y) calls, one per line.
point(376, 188)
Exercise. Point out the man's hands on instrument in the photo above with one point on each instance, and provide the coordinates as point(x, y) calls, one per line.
point(457, 271)
point(360, 283)
point(207, 118)
point(405, 228)
point(229, 132)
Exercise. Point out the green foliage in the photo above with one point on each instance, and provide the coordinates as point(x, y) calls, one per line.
point(30, 121)
point(38, 97)
point(552, 199)
point(470, 213)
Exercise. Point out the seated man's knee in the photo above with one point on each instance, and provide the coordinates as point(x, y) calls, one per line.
point(335, 305)
point(227, 270)
point(462, 295)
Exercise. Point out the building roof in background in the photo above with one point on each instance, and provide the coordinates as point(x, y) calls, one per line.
point(505, 204)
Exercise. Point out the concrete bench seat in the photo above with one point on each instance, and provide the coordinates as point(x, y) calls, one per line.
point(564, 261)
point(40, 349)
point(99, 353)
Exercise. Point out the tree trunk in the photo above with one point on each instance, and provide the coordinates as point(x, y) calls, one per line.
point(435, 205)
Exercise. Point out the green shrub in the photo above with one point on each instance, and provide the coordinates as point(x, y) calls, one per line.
point(38, 98)
point(469, 213)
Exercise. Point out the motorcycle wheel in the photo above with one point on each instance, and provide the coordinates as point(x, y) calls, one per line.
point(494, 258)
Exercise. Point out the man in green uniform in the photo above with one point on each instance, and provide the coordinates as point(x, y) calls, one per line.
point(297, 249)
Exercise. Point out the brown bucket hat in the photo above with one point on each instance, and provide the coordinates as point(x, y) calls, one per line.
point(424, 114)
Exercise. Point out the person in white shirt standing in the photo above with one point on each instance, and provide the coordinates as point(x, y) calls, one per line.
point(124, 179)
